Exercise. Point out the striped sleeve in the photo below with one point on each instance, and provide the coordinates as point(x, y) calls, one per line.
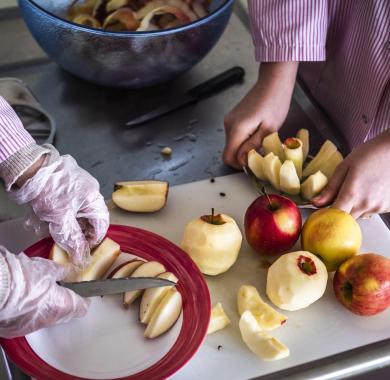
point(13, 136)
point(289, 30)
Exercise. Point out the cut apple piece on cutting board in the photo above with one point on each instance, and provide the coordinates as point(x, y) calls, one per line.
point(272, 144)
point(141, 196)
point(288, 178)
point(293, 151)
point(152, 297)
point(272, 167)
point(165, 315)
point(248, 298)
point(326, 151)
point(149, 269)
point(218, 320)
point(255, 164)
point(126, 269)
point(260, 342)
point(303, 135)
point(102, 257)
point(329, 166)
point(313, 185)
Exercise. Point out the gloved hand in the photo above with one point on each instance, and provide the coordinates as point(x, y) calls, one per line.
point(30, 299)
point(68, 199)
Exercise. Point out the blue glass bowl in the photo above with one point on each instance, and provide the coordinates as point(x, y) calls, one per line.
point(123, 59)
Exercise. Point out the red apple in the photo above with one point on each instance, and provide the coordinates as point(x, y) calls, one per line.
point(272, 224)
point(362, 284)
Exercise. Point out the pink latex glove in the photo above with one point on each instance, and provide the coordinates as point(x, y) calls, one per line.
point(33, 298)
point(68, 199)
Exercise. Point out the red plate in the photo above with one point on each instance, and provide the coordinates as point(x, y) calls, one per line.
point(192, 286)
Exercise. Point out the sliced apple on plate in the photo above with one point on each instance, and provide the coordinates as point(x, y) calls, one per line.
point(218, 320)
point(293, 151)
point(260, 342)
point(303, 135)
point(272, 143)
point(329, 166)
point(102, 257)
point(255, 164)
point(248, 298)
point(288, 177)
point(152, 297)
point(313, 185)
point(326, 151)
point(165, 315)
point(126, 269)
point(148, 269)
point(141, 196)
point(272, 167)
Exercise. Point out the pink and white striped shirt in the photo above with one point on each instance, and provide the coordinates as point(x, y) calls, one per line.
point(13, 136)
point(348, 45)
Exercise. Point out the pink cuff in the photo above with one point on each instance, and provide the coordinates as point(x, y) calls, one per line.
point(289, 53)
point(13, 136)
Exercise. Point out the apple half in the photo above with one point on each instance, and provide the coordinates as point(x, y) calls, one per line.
point(272, 144)
point(260, 342)
point(126, 269)
point(140, 196)
point(218, 319)
point(303, 135)
point(165, 315)
point(326, 151)
point(255, 164)
point(313, 185)
point(248, 298)
point(153, 296)
point(148, 269)
point(271, 167)
point(288, 177)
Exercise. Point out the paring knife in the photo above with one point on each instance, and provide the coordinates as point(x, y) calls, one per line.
point(114, 285)
point(210, 87)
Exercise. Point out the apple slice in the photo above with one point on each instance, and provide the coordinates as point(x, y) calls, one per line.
point(141, 196)
point(272, 143)
point(59, 255)
point(152, 297)
point(259, 342)
point(313, 185)
point(149, 269)
point(248, 298)
point(293, 151)
point(303, 135)
point(126, 269)
point(218, 320)
point(326, 151)
point(289, 180)
point(271, 168)
point(255, 164)
point(102, 257)
point(165, 315)
point(328, 167)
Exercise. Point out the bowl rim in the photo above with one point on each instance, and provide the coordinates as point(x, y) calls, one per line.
point(190, 25)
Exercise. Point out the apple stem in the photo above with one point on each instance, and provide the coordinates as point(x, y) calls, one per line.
point(212, 215)
point(266, 194)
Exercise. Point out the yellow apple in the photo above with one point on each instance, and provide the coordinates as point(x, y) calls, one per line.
point(289, 180)
point(141, 196)
point(255, 164)
point(272, 144)
point(218, 320)
point(313, 185)
point(333, 235)
point(213, 242)
point(303, 135)
point(271, 168)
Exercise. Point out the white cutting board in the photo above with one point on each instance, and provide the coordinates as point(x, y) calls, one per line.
point(323, 329)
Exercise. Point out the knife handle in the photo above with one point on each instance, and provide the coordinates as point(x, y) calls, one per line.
point(218, 83)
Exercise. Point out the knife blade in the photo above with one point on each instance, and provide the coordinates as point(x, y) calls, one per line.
point(202, 91)
point(114, 285)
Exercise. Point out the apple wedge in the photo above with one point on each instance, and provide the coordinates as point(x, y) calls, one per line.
point(313, 185)
point(152, 297)
point(303, 135)
point(248, 298)
point(272, 143)
point(326, 151)
point(218, 320)
point(255, 164)
point(141, 196)
point(126, 269)
point(271, 168)
point(288, 177)
point(102, 257)
point(59, 255)
point(165, 315)
point(328, 167)
point(293, 151)
point(259, 342)
point(149, 269)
